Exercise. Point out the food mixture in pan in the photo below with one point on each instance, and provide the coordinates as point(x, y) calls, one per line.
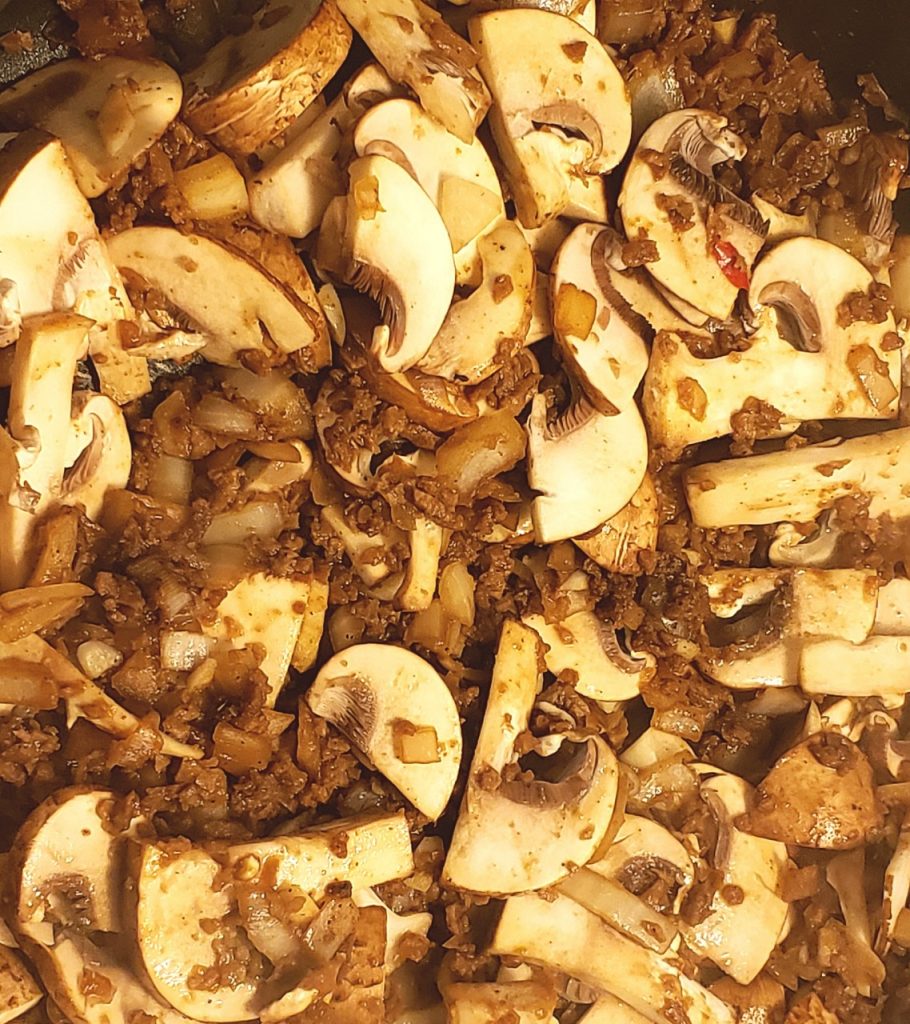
point(453, 487)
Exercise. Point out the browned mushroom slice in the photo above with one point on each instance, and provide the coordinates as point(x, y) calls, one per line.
point(106, 112)
point(412, 42)
point(819, 794)
point(250, 88)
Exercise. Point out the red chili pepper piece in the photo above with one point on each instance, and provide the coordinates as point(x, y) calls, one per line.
point(731, 263)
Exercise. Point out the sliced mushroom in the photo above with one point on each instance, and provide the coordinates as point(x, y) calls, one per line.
point(599, 334)
point(398, 927)
point(610, 1010)
point(57, 454)
point(707, 237)
point(561, 107)
point(878, 667)
point(819, 794)
point(746, 918)
point(564, 457)
point(291, 192)
point(782, 226)
point(399, 714)
point(458, 176)
point(51, 251)
point(106, 112)
point(626, 540)
point(18, 990)
point(266, 610)
point(189, 905)
point(419, 584)
point(797, 485)
point(397, 250)
point(791, 546)
point(248, 311)
point(524, 1002)
point(249, 88)
point(610, 886)
point(585, 644)
point(482, 332)
point(557, 932)
point(416, 47)
point(514, 835)
point(364, 550)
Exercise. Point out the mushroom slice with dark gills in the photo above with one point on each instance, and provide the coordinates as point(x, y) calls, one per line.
point(819, 794)
point(399, 714)
point(416, 47)
point(560, 109)
point(707, 237)
point(804, 361)
point(515, 834)
point(395, 247)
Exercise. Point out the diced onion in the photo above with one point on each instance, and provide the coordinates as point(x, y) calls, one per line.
point(456, 592)
point(239, 752)
point(171, 479)
point(182, 650)
point(219, 416)
point(263, 519)
point(27, 685)
point(97, 658)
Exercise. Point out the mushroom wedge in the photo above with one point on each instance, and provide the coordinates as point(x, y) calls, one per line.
point(819, 794)
point(560, 105)
point(417, 48)
point(183, 916)
point(249, 88)
point(52, 254)
point(225, 296)
point(399, 714)
point(559, 933)
point(458, 176)
point(707, 237)
point(579, 446)
point(291, 191)
point(266, 610)
point(483, 331)
point(58, 454)
point(514, 835)
point(396, 249)
point(106, 112)
point(598, 332)
point(799, 484)
point(802, 362)
point(586, 645)
point(746, 918)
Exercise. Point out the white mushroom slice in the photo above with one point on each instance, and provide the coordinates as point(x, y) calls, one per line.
point(620, 544)
point(248, 311)
point(801, 362)
point(586, 645)
point(416, 47)
point(481, 332)
point(782, 226)
point(289, 195)
point(707, 237)
point(610, 1010)
point(515, 835)
point(833, 603)
point(654, 747)
point(746, 919)
point(601, 336)
point(565, 456)
point(106, 112)
point(59, 454)
point(419, 584)
point(399, 714)
point(364, 550)
point(18, 990)
point(892, 613)
point(792, 547)
point(51, 250)
point(795, 486)
point(248, 89)
point(896, 889)
point(879, 667)
point(520, 1002)
point(549, 76)
point(458, 176)
point(559, 933)
point(267, 610)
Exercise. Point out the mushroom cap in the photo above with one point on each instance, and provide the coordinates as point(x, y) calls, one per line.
point(598, 332)
point(106, 112)
point(459, 177)
point(237, 305)
point(400, 253)
point(582, 446)
point(549, 76)
point(819, 794)
point(379, 695)
point(249, 88)
point(693, 248)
